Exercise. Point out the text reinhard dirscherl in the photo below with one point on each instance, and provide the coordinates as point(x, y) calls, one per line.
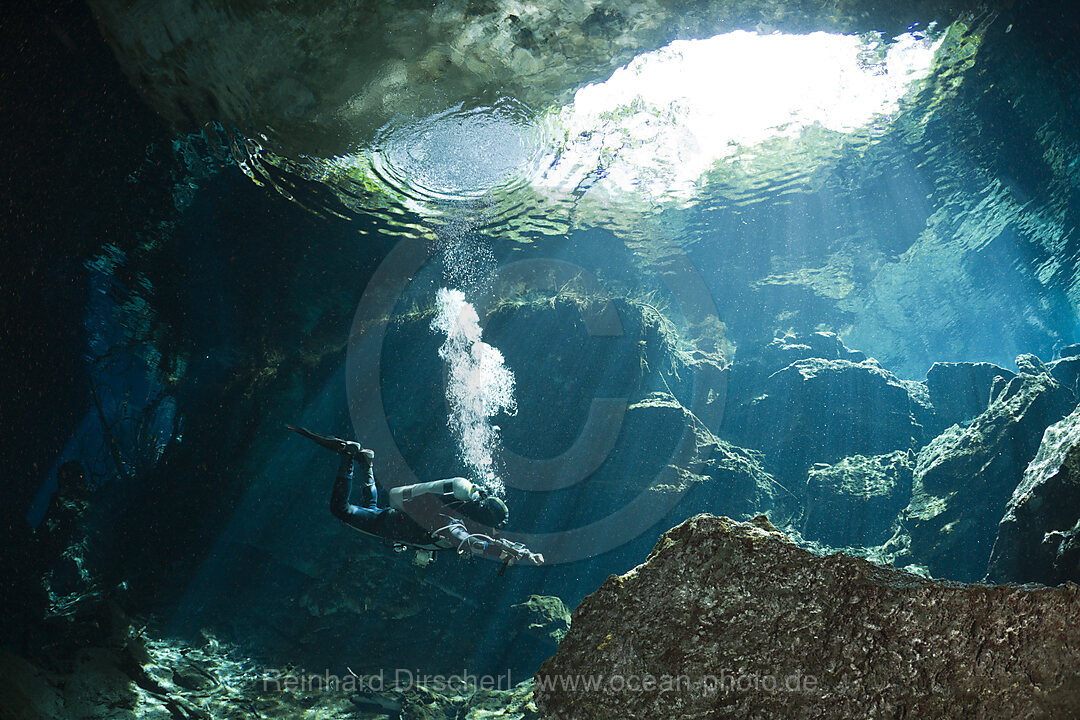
point(401, 679)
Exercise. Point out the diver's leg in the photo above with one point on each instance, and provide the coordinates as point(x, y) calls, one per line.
point(339, 498)
point(363, 518)
point(368, 493)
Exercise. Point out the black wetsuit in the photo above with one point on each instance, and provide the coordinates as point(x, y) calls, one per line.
point(427, 524)
point(368, 517)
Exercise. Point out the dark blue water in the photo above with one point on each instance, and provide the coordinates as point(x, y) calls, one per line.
point(166, 316)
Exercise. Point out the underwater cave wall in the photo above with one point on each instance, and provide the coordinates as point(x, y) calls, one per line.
point(324, 77)
point(74, 132)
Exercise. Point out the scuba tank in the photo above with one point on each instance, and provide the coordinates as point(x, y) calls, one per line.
point(449, 490)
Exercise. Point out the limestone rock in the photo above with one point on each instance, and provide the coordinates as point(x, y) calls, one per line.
point(922, 410)
point(724, 617)
point(1039, 537)
point(856, 501)
point(714, 374)
point(1028, 364)
point(758, 360)
point(1067, 372)
point(960, 391)
point(819, 410)
point(964, 477)
point(1070, 351)
point(664, 448)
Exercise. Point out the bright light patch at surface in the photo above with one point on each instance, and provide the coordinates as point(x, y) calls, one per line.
point(732, 119)
point(658, 124)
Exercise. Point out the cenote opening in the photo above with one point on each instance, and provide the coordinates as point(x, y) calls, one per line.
point(480, 359)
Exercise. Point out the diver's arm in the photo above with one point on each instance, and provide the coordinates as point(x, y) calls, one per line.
point(484, 546)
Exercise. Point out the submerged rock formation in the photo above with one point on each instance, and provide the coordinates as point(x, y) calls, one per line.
point(731, 619)
point(792, 347)
point(822, 410)
point(1039, 537)
point(546, 616)
point(965, 476)
point(1066, 370)
point(855, 501)
point(665, 449)
point(960, 391)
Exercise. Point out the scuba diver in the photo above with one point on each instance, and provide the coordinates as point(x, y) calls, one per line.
point(428, 517)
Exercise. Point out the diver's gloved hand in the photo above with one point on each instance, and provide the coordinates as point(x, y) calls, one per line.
point(523, 554)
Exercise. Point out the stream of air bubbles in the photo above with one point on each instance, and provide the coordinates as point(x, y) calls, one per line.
point(478, 385)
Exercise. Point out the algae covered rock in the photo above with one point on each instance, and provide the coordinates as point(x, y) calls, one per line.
point(757, 361)
point(547, 616)
point(855, 501)
point(727, 619)
point(1039, 537)
point(965, 477)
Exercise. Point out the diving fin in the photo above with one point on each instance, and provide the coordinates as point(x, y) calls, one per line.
point(327, 441)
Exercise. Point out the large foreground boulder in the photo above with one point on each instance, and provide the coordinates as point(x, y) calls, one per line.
point(965, 477)
point(732, 620)
point(1039, 537)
